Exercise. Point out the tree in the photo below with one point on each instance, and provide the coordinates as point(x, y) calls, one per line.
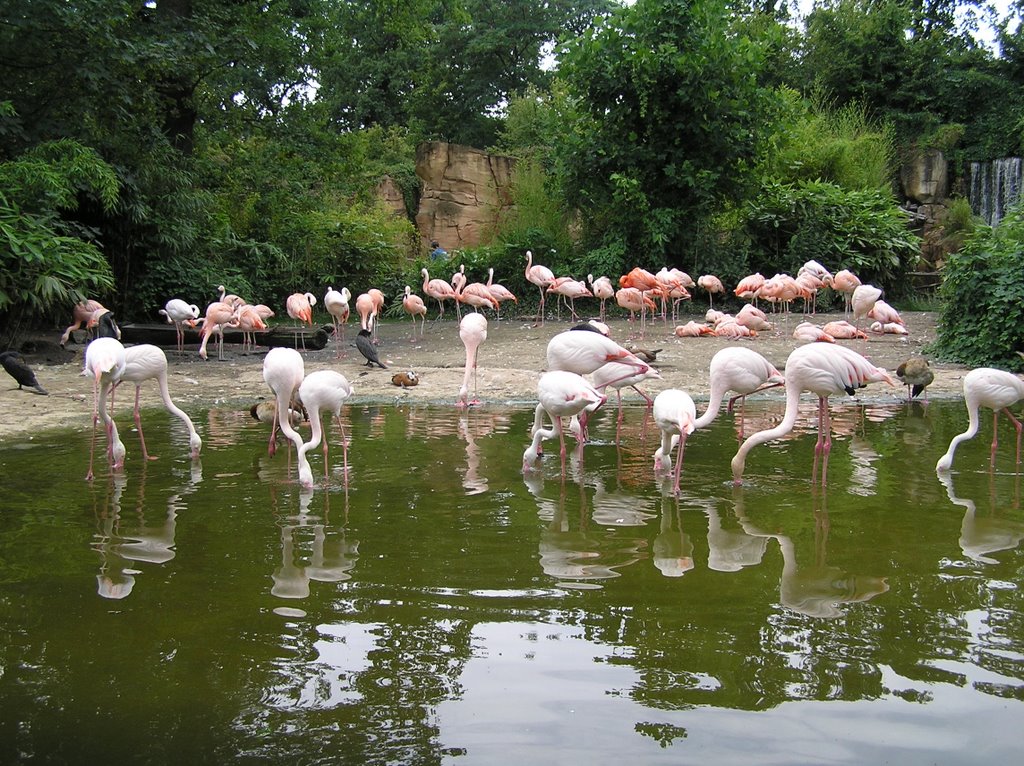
point(668, 120)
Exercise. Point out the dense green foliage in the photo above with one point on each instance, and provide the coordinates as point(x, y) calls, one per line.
point(982, 320)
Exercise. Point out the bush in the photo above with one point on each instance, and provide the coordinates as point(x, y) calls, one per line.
point(982, 319)
point(861, 230)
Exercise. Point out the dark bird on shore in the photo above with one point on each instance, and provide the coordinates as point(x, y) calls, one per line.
point(648, 355)
point(21, 372)
point(916, 376)
point(364, 342)
point(105, 324)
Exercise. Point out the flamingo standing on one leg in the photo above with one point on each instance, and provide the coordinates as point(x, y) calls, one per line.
point(986, 387)
point(300, 307)
point(711, 284)
point(738, 369)
point(561, 394)
point(602, 289)
point(674, 414)
point(473, 332)
point(104, 363)
point(378, 308)
point(336, 303)
point(283, 372)
point(414, 306)
point(366, 307)
point(179, 314)
point(439, 290)
point(322, 390)
point(845, 282)
point(541, 276)
point(146, 362)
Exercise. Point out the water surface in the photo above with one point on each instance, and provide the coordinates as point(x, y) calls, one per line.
point(443, 608)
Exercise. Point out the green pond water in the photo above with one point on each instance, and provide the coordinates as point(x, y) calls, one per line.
point(445, 608)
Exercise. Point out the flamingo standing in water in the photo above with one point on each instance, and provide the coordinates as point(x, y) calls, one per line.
point(179, 314)
point(439, 290)
point(738, 369)
point(561, 394)
point(675, 415)
point(541, 276)
point(283, 372)
point(986, 387)
point(104, 363)
point(414, 306)
point(473, 332)
point(322, 390)
point(146, 362)
point(823, 369)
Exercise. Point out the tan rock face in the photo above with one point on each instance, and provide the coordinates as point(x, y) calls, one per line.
point(926, 178)
point(465, 190)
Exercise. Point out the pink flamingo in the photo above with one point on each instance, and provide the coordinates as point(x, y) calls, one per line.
point(541, 276)
point(179, 314)
point(986, 387)
point(570, 289)
point(218, 316)
point(322, 390)
point(474, 294)
point(81, 313)
point(602, 289)
point(845, 282)
point(146, 362)
point(633, 300)
point(711, 284)
point(823, 370)
point(336, 303)
point(863, 301)
point(283, 372)
point(249, 322)
point(414, 306)
point(104, 363)
point(473, 332)
point(675, 415)
point(499, 292)
point(437, 289)
point(300, 307)
point(749, 288)
point(561, 394)
point(738, 369)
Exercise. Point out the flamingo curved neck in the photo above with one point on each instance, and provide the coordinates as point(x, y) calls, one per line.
point(783, 428)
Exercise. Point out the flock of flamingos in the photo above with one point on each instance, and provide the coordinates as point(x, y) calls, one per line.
point(821, 366)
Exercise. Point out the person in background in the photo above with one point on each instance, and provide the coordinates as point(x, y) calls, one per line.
point(437, 252)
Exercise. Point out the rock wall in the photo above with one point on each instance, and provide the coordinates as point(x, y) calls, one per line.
point(464, 193)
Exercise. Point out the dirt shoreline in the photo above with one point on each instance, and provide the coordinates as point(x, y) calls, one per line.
point(510, 361)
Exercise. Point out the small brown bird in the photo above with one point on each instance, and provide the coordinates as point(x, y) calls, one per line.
point(916, 376)
point(405, 379)
point(648, 355)
point(265, 409)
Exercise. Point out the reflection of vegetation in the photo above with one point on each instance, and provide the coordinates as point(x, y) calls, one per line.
point(665, 734)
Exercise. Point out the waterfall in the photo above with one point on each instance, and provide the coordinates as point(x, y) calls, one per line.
point(995, 187)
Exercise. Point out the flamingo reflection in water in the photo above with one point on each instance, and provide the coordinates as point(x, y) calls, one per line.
point(816, 590)
point(672, 549)
point(578, 557)
point(982, 535)
point(331, 555)
point(123, 542)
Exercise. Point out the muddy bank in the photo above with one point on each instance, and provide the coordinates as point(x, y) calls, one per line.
point(509, 364)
